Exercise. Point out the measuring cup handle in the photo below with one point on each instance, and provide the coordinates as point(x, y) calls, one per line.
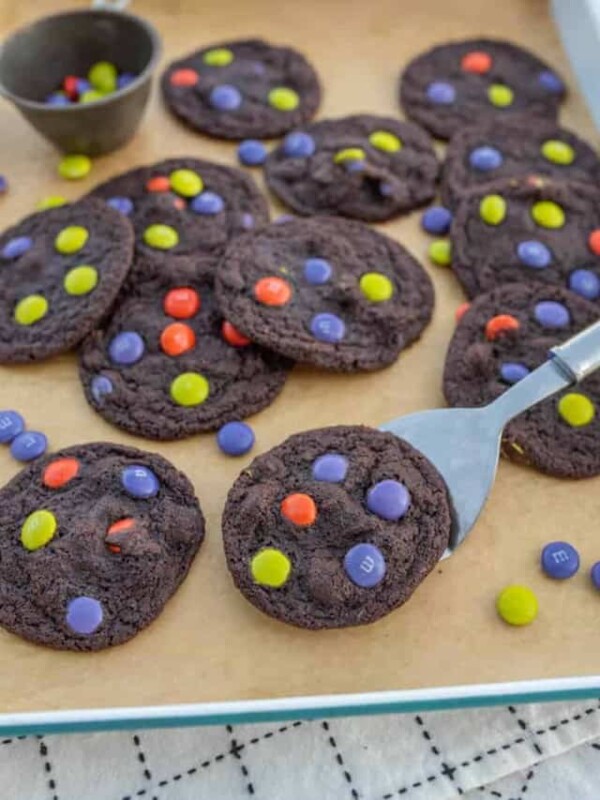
point(579, 356)
point(110, 5)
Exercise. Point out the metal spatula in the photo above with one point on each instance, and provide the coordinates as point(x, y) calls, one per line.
point(464, 443)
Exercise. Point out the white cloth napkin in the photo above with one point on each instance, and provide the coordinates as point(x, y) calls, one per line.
point(533, 752)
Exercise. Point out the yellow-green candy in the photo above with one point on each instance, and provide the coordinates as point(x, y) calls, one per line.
point(440, 252)
point(74, 167)
point(190, 389)
point(71, 239)
point(500, 95)
point(349, 154)
point(283, 99)
point(492, 209)
point(517, 605)
point(81, 280)
point(548, 214)
point(376, 287)
point(31, 309)
point(53, 201)
point(161, 237)
point(103, 76)
point(218, 57)
point(558, 152)
point(38, 529)
point(270, 567)
point(576, 409)
point(186, 182)
point(386, 141)
point(91, 96)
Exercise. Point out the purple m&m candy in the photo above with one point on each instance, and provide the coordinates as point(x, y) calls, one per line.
point(298, 145)
point(58, 99)
point(11, 425)
point(595, 574)
point(252, 153)
point(84, 615)
point(235, 438)
point(16, 247)
point(247, 221)
point(139, 481)
point(3, 185)
point(534, 254)
point(551, 314)
point(327, 328)
point(82, 85)
point(126, 348)
point(388, 499)
point(436, 220)
point(317, 271)
point(225, 98)
point(560, 560)
point(551, 82)
point(100, 387)
point(485, 159)
point(513, 372)
point(365, 565)
point(441, 93)
point(121, 204)
point(124, 79)
point(28, 446)
point(207, 204)
point(330, 468)
point(585, 283)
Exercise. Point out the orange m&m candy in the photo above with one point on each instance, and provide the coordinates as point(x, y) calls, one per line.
point(461, 311)
point(177, 338)
point(183, 77)
point(476, 61)
point(59, 472)
point(299, 509)
point(120, 525)
point(232, 336)
point(160, 183)
point(594, 242)
point(272, 291)
point(181, 303)
point(503, 323)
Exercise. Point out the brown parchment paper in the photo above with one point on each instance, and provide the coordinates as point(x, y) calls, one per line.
point(210, 644)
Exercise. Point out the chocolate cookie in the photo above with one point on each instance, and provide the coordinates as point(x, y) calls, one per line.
point(502, 337)
point(95, 540)
point(61, 271)
point(368, 167)
point(523, 146)
point(186, 207)
point(244, 88)
point(326, 291)
point(454, 84)
point(335, 527)
point(166, 365)
point(528, 229)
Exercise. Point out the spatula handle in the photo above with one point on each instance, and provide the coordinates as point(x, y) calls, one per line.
point(579, 356)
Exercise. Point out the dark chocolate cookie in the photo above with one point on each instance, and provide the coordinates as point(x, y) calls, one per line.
point(326, 291)
point(455, 84)
point(61, 271)
point(367, 167)
point(186, 207)
point(95, 540)
point(502, 337)
point(528, 229)
point(523, 146)
point(244, 88)
point(166, 365)
point(335, 527)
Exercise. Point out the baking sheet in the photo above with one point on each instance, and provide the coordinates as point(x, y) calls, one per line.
point(211, 645)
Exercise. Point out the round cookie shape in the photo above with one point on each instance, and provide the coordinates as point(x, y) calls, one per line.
point(364, 166)
point(185, 207)
point(350, 565)
point(502, 337)
point(550, 232)
point(444, 91)
point(61, 270)
point(242, 89)
point(374, 300)
point(164, 366)
point(84, 563)
point(483, 153)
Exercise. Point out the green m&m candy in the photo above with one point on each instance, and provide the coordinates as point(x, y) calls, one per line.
point(71, 239)
point(492, 209)
point(81, 280)
point(218, 57)
point(189, 389)
point(283, 99)
point(161, 237)
point(103, 77)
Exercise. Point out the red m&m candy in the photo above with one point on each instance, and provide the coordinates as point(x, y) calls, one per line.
point(181, 303)
point(60, 472)
point(461, 311)
point(272, 291)
point(177, 338)
point(503, 323)
point(594, 242)
point(476, 61)
point(299, 509)
point(183, 77)
point(232, 336)
point(160, 183)
point(120, 525)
